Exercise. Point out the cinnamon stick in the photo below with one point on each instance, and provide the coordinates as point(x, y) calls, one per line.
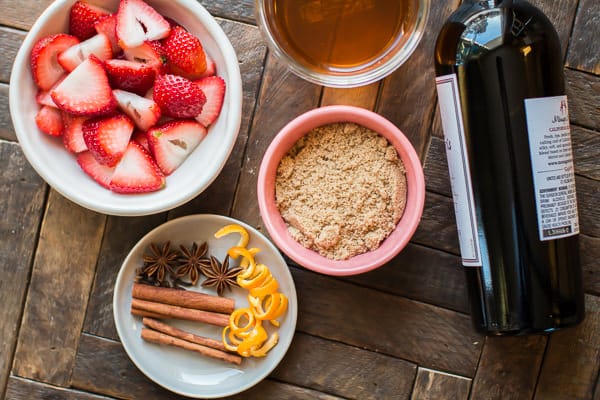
point(181, 334)
point(183, 298)
point(153, 336)
point(142, 313)
point(177, 312)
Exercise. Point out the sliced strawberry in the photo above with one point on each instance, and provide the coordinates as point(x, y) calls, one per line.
point(108, 26)
point(142, 139)
point(172, 142)
point(98, 45)
point(144, 112)
point(49, 120)
point(214, 90)
point(107, 137)
point(150, 53)
point(136, 172)
point(43, 98)
point(138, 22)
point(73, 133)
point(211, 67)
point(185, 54)
point(130, 75)
point(82, 18)
point(86, 90)
point(45, 69)
point(178, 97)
point(99, 172)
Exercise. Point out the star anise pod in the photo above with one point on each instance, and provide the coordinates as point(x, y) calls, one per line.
point(159, 263)
point(219, 275)
point(191, 261)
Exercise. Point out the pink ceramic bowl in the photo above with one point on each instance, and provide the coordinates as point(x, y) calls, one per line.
point(275, 224)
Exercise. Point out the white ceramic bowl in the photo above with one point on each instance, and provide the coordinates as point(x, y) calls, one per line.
point(59, 169)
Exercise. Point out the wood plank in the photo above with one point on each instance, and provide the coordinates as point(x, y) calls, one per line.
point(408, 95)
point(22, 195)
point(584, 51)
point(423, 274)
point(103, 367)
point(345, 371)
point(438, 225)
point(430, 336)
point(7, 131)
point(10, 41)
point(283, 96)
point(590, 263)
point(237, 10)
point(586, 151)
point(363, 96)
point(23, 389)
point(121, 234)
point(435, 168)
point(218, 197)
point(436, 385)
point(588, 193)
point(22, 14)
point(583, 90)
point(572, 361)
point(62, 275)
point(562, 15)
point(509, 367)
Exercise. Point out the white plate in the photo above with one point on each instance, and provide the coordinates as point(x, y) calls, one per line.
point(185, 372)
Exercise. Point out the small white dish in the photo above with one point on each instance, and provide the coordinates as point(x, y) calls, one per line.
point(182, 371)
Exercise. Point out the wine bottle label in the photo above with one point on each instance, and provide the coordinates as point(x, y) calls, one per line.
point(552, 165)
point(458, 166)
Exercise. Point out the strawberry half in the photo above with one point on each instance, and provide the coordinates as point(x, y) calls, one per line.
point(214, 90)
point(178, 97)
point(144, 112)
point(108, 26)
point(86, 90)
point(45, 69)
point(43, 98)
point(150, 53)
point(136, 172)
point(211, 67)
point(99, 172)
point(130, 75)
point(142, 139)
point(107, 137)
point(184, 53)
point(49, 120)
point(138, 22)
point(172, 142)
point(73, 133)
point(82, 18)
point(98, 45)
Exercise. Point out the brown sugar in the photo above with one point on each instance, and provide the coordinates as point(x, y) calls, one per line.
point(341, 190)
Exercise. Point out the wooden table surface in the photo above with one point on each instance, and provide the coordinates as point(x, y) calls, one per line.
point(402, 331)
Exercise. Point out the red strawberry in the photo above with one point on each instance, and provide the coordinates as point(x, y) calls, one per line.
point(178, 97)
point(43, 98)
point(49, 120)
point(85, 91)
point(108, 25)
point(144, 112)
point(185, 54)
point(73, 133)
point(136, 172)
point(211, 67)
point(99, 172)
point(45, 69)
point(98, 45)
point(130, 75)
point(142, 139)
point(214, 90)
point(82, 18)
point(138, 22)
point(107, 137)
point(172, 142)
point(150, 53)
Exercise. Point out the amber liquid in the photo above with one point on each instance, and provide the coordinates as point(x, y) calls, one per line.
point(339, 35)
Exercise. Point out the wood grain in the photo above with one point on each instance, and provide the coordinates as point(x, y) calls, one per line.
point(7, 131)
point(562, 14)
point(237, 10)
point(420, 333)
point(572, 361)
point(437, 179)
point(588, 193)
point(584, 51)
point(408, 95)
point(583, 90)
point(23, 389)
point(62, 276)
point(344, 371)
point(438, 225)
point(363, 96)
point(509, 367)
point(22, 14)
point(436, 385)
point(21, 200)
point(586, 151)
point(10, 41)
point(590, 263)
